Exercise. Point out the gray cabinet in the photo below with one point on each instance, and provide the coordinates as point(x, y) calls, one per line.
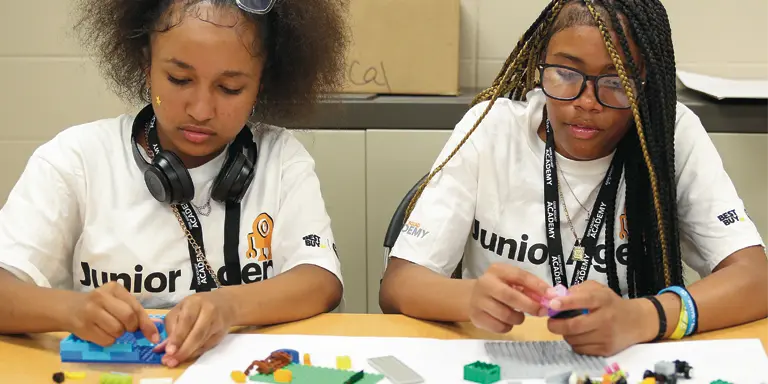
point(395, 161)
point(340, 166)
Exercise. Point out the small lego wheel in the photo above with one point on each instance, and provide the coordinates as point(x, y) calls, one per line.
point(58, 377)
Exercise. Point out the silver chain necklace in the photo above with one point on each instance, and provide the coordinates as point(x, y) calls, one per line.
point(205, 209)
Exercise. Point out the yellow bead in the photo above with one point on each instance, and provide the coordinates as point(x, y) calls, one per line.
point(343, 362)
point(238, 377)
point(74, 375)
point(306, 359)
point(283, 376)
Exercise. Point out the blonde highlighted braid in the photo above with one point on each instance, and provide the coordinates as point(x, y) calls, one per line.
point(651, 208)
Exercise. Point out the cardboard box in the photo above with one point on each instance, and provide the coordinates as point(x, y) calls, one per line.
point(404, 47)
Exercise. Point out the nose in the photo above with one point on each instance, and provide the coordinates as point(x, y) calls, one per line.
point(201, 106)
point(587, 101)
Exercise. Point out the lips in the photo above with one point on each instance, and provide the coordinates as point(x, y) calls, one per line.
point(196, 134)
point(583, 131)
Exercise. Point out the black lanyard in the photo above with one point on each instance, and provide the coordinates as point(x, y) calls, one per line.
point(607, 191)
point(203, 280)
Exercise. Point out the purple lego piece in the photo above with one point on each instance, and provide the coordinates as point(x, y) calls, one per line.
point(561, 291)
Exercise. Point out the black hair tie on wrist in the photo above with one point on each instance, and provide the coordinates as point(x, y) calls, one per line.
point(662, 318)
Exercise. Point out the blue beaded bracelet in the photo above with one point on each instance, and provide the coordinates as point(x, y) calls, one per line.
point(690, 307)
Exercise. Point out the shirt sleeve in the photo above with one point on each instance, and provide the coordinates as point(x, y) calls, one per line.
point(712, 217)
point(39, 221)
point(303, 233)
point(436, 232)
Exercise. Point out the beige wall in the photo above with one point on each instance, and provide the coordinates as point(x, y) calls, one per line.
point(710, 36)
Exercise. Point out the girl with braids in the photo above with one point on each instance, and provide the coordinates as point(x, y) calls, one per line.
point(194, 203)
point(578, 168)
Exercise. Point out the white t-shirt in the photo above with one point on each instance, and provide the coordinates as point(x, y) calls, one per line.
point(81, 215)
point(487, 203)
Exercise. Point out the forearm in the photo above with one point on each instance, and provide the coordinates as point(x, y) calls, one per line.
point(27, 308)
point(302, 292)
point(735, 293)
point(418, 292)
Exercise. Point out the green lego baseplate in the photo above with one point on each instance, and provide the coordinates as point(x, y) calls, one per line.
point(480, 372)
point(309, 374)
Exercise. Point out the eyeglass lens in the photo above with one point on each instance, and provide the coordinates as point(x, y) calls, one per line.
point(566, 84)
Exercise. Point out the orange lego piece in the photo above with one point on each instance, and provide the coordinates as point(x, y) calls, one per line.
point(238, 377)
point(283, 376)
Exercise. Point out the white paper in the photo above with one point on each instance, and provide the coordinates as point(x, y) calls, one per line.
point(741, 361)
point(724, 88)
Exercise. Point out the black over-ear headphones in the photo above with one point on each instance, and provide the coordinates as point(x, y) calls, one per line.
point(168, 179)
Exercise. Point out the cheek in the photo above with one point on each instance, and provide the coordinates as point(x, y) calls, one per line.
point(621, 121)
point(555, 110)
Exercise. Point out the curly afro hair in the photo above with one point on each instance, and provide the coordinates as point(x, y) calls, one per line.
point(305, 42)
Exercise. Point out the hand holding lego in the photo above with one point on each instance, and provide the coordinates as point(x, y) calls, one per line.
point(195, 325)
point(608, 328)
point(502, 295)
point(106, 313)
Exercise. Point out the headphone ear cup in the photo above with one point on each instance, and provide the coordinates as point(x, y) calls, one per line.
point(228, 184)
point(180, 188)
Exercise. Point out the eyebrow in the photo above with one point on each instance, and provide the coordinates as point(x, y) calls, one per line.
point(580, 61)
point(183, 65)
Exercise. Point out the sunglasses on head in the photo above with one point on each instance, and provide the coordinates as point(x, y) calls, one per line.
point(259, 7)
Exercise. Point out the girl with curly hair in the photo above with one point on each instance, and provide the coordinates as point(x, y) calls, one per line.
point(107, 218)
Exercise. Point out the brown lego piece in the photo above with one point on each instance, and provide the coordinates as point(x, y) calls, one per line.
point(275, 361)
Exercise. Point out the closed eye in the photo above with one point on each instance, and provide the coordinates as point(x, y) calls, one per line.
point(231, 91)
point(177, 81)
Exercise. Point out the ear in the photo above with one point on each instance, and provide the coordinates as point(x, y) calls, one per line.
point(147, 66)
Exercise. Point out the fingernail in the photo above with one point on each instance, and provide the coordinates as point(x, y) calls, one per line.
point(155, 338)
point(551, 292)
point(544, 302)
point(171, 362)
point(555, 304)
point(542, 312)
point(170, 350)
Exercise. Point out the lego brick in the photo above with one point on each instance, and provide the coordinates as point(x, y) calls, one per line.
point(110, 378)
point(306, 374)
point(538, 359)
point(480, 372)
point(395, 370)
point(131, 347)
point(343, 362)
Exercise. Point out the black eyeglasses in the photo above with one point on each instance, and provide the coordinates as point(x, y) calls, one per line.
point(565, 83)
point(259, 7)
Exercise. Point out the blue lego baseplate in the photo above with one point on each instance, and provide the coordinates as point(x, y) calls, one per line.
point(131, 348)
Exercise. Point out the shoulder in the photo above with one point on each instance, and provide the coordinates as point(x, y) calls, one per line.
point(506, 118)
point(279, 144)
point(73, 146)
point(688, 126)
